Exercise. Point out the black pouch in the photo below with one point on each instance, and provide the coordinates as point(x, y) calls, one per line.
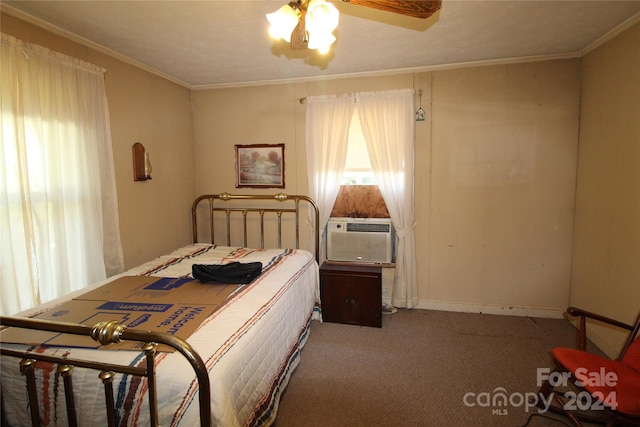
point(233, 272)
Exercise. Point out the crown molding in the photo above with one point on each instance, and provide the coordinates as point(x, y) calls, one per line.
point(612, 34)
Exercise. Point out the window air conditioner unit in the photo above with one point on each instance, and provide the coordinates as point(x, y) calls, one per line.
point(360, 240)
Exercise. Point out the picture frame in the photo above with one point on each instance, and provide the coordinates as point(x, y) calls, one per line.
point(260, 166)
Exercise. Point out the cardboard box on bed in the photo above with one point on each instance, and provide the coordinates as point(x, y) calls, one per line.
point(160, 290)
point(175, 306)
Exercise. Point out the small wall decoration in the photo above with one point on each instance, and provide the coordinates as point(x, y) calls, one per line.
point(141, 163)
point(420, 113)
point(260, 166)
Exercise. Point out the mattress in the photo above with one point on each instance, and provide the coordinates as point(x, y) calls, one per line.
point(250, 346)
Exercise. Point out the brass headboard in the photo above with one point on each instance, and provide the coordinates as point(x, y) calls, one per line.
point(291, 204)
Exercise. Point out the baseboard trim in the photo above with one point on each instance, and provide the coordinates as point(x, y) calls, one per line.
point(550, 313)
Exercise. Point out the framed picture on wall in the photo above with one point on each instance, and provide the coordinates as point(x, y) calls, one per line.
point(260, 166)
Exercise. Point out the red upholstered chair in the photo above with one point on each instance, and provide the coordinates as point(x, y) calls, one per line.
point(613, 385)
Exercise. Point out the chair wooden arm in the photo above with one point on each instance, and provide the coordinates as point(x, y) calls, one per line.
point(582, 329)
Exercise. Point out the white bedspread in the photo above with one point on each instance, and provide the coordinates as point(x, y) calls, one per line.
point(250, 346)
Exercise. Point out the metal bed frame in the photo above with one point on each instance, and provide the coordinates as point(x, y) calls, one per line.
point(114, 332)
point(291, 204)
point(105, 333)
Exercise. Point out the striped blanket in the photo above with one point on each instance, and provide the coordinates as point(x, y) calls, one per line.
point(250, 346)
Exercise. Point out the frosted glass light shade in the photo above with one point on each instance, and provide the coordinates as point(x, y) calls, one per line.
point(321, 41)
point(283, 21)
point(321, 16)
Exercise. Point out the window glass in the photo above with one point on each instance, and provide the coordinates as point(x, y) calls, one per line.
point(358, 167)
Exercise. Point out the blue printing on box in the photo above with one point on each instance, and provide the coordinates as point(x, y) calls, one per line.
point(167, 283)
point(135, 306)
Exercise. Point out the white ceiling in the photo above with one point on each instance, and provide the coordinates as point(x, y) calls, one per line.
point(224, 43)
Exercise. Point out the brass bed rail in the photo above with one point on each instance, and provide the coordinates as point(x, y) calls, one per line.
point(105, 333)
point(291, 205)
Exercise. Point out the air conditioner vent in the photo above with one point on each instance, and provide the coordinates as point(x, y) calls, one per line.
point(367, 227)
point(360, 240)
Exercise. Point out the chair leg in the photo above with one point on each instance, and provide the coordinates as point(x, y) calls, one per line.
point(569, 414)
point(548, 391)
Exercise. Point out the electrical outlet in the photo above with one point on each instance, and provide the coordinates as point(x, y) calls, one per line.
point(384, 291)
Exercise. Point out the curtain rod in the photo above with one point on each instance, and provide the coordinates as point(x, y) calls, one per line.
point(304, 99)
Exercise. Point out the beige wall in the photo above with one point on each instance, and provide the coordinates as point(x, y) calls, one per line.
point(495, 173)
point(606, 262)
point(154, 215)
point(504, 150)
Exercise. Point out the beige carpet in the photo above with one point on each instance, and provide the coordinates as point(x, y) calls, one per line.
point(423, 368)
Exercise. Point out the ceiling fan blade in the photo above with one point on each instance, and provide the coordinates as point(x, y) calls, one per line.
point(415, 8)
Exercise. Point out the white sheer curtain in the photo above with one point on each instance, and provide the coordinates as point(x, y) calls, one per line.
point(326, 138)
point(387, 120)
point(59, 226)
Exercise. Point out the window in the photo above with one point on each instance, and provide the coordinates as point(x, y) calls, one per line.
point(58, 227)
point(359, 196)
point(357, 169)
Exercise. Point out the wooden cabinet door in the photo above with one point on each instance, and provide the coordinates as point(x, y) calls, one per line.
point(351, 294)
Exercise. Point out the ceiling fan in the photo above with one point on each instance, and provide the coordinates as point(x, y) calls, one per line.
point(309, 24)
point(416, 8)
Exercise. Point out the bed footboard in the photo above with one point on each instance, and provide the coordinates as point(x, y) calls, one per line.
point(104, 333)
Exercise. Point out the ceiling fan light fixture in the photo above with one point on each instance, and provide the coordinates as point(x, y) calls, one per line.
point(305, 24)
point(283, 21)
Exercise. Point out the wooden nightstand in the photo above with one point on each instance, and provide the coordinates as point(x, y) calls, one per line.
point(351, 294)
